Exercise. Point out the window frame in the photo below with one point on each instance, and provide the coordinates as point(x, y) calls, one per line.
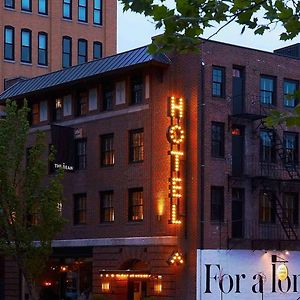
point(267, 211)
point(66, 54)
point(85, 9)
point(287, 102)
point(58, 109)
point(6, 44)
point(273, 91)
point(136, 152)
point(267, 153)
point(135, 206)
point(217, 205)
point(292, 213)
point(81, 56)
point(220, 84)
point(41, 12)
point(12, 6)
point(97, 10)
point(80, 154)
point(82, 103)
point(218, 145)
point(43, 50)
point(67, 4)
point(25, 47)
point(107, 154)
point(79, 209)
point(107, 212)
point(137, 90)
point(295, 154)
point(29, 9)
point(96, 43)
point(107, 96)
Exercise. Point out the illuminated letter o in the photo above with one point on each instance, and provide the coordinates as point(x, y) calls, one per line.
point(175, 134)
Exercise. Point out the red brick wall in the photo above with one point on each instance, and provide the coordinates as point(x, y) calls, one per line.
point(56, 27)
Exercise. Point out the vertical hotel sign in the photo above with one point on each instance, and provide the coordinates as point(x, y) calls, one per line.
point(175, 137)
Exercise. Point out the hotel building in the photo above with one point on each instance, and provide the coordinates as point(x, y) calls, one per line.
point(177, 190)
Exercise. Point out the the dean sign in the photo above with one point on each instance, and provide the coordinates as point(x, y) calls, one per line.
point(248, 275)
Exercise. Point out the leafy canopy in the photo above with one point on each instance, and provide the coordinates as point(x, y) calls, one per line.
point(184, 21)
point(29, 215)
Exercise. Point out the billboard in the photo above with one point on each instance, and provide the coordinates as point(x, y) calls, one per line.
point(248, 275)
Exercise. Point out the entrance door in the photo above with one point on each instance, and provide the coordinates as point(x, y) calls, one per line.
point(237, 133)
point(137, 290)
point(237, 215)
point(237, 91)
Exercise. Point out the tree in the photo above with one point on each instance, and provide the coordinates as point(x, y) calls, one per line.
point(185, 22)
point(29, 199)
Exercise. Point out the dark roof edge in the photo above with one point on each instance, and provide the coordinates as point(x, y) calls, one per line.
point(248, 48)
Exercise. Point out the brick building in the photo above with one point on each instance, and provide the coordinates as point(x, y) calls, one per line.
point(177, 190)
point(43, 36)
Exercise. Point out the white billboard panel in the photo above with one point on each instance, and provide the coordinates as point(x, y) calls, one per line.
point(247, 275)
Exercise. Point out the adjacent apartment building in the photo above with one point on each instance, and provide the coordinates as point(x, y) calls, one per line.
point(177, 190)
point(43, 36)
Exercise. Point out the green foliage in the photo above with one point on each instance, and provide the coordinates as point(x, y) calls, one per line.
point(29, 198)
point(185, 22)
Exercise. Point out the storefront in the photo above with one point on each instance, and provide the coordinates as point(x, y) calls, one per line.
point(68, 274)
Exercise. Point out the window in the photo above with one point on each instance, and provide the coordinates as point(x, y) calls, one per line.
point(26, 5)
point(267, 151)
point(93, 99)
point(108, 94)
point(82, 10)
point(107, 150)
point(135, 204)
point(290, 142)
point(266, 207)
point(107, 212)
point(9, 3)
point(43, 48)
point(43, 7)
point(67, 104)
point(43, 111)
point(79, 209)
point(136, 145)
point(136, 90)
point(291, 206)
point(58, 109)
point(97, 50)
point(67, 9)
point(120, 92)
point(9, 43)
point(26, 45)
point(97, 12)
point(267, 90)
point(80, 154)
point(33, 216)
point(289, 89)
point(217, 204)
point(217, 139)
point(35, 116)
point(82, 51)
point(82, 103)
point(218, 82)
point(66, 52)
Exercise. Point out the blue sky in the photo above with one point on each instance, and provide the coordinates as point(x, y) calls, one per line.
point(135, 30)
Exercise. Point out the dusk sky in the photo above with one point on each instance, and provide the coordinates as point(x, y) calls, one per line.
point(135, 30)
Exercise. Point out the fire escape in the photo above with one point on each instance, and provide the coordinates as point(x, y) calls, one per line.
point(267, 175)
